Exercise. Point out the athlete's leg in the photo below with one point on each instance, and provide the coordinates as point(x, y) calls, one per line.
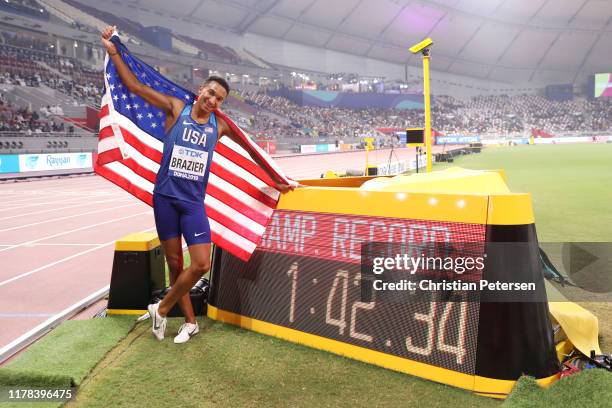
point(168, 224)
point(173, 251)
point(196, 230)
point(200, 264)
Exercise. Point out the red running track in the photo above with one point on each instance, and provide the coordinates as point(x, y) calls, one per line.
point(57, 236)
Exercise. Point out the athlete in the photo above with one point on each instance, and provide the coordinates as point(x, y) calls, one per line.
point(191, 132)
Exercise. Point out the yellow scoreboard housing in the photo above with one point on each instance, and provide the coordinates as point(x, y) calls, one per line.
point(305, 282)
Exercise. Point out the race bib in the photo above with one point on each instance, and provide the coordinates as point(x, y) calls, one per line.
point(188, 163)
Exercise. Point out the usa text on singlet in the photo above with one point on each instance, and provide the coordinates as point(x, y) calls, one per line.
point(185, 165)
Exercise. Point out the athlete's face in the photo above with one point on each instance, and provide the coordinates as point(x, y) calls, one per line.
point(211, 96)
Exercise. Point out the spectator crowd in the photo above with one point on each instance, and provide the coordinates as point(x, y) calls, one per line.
point(22, 119)
point(498, 114)
point(27, 61)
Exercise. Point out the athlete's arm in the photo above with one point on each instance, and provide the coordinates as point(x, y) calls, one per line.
point(225, 130)
point(170, 105)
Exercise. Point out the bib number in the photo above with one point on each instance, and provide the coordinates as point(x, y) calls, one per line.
point(188, 163)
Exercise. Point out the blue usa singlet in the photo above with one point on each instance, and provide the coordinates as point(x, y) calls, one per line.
point(187, 155)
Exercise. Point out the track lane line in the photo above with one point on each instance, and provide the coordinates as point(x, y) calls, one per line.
point(67, 217)
point(44, 202)
point(60, 244)
point(61, 208)
point(74, 230)
point(59, 261)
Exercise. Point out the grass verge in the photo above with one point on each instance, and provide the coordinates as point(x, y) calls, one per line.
point(230, 367)
point(64, 357)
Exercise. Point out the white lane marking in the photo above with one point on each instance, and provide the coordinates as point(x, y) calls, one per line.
point(40, 268)
point(58, 244)
point(20, 315)
point(66, 217)
point(64, 208)
point(44, 202)
point(75, 230)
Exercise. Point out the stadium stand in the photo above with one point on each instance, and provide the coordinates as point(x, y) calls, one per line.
point(30, 8)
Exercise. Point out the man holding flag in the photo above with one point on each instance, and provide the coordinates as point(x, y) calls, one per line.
point(190, 134)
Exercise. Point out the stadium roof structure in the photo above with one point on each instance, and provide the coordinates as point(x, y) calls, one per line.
point(541, 41)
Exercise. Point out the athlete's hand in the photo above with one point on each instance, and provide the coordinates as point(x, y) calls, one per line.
point(107, 33)
point(283, 188)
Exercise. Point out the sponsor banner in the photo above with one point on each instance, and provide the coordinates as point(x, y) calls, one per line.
point(521, 141)
point(319, 148)
point(308, 148)
point(568, 139)
point(345, 147)
point(457, 139)
point(391, 168)
point(54, 161)
point(9, 163)
point(422, 162)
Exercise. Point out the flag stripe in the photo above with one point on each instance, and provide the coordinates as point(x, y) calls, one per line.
point(227, 222)
point(109, 156)
point(250, 189)
point(138, 169)
point(133, 177)
point(246, 164)
point(238, 194)
point(235, 215)
point(229, 236)
point(229, 246)
point(103, 112)
point(235, 204)
point(248, 177)
point(106, 132)
point(123, 182)
point(142, 160)
point(147, 151)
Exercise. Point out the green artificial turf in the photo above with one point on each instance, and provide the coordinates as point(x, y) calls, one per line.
point(570, 186)
point(229, 367)
point(64, 357)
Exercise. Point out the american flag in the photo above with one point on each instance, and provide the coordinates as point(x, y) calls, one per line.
point(240, 196)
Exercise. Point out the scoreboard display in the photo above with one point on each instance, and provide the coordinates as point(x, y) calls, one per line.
point(305, 283)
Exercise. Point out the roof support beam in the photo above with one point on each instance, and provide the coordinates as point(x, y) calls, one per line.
point(537, 68)
point(518, 34)
point(386, 28)
point(333, 34)
point(250, 19)
point(464, 46)
point(296, 19)
point(590, 51)
point(197, 6)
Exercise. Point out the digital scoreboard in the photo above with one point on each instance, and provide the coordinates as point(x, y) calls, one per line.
point(305, 283)
point(415, 137)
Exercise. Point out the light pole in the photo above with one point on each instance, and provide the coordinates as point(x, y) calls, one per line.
point(424, 48)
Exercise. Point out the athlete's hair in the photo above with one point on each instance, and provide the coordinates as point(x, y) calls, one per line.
point(220, 81)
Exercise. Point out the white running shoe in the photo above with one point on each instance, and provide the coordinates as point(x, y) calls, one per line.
point(159, 322)
point(187, 331)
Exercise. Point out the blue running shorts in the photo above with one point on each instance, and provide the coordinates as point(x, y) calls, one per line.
point(174, 217)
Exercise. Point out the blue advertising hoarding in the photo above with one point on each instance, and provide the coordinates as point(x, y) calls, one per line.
point(9, 163)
